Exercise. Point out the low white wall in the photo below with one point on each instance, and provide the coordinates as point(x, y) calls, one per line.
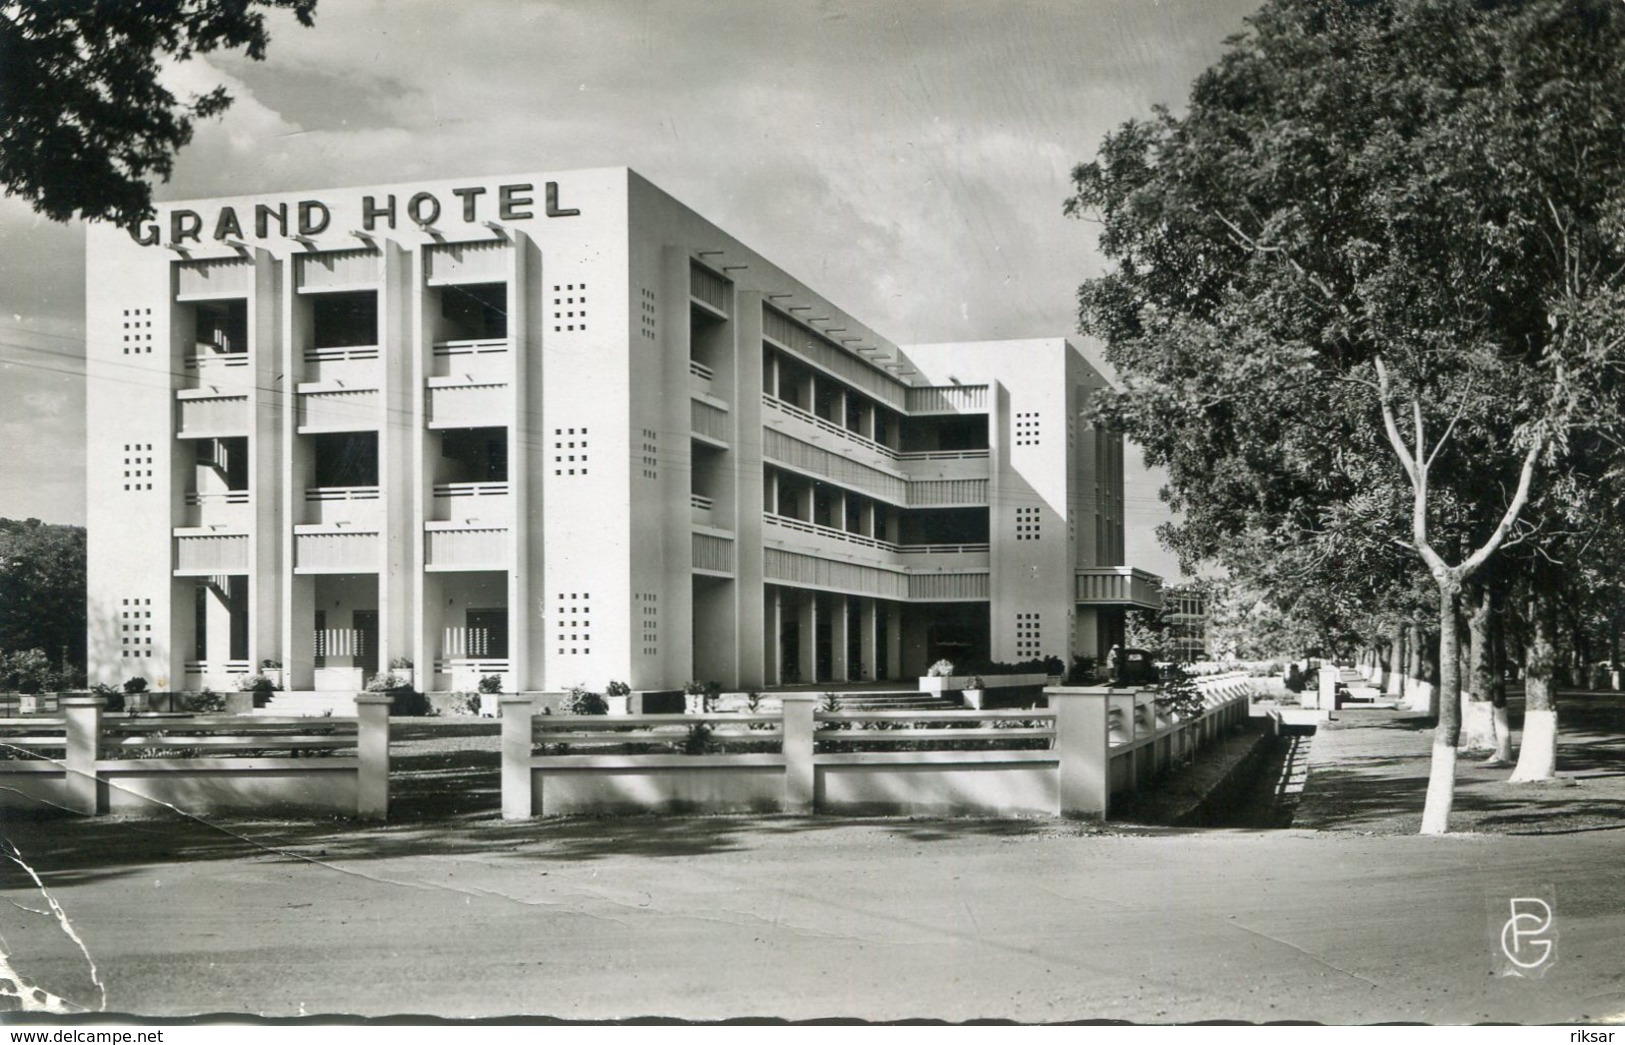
point(32, 786)
point(274, 786)
point(938, 783)
point(563, 785)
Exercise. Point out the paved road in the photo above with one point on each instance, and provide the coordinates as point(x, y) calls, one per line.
point(797, 918)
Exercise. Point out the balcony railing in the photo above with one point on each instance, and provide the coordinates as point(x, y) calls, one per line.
point(224, 509)
point(489, 489)
point(943, 455)
point(700, 370)
point(833, 533)
point(478, 359)
point(352, 354)
point(948, 399)
point(773, 402)
point(472, 347)
point(227, 497)
point(316, 494)
point(354, 366)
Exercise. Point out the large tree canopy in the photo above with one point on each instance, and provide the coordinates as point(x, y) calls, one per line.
point(84, 117)
point(1367, 291)
point(42, 589)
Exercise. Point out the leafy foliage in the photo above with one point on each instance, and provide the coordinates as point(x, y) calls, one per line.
point(85, 118)
point(42, 587)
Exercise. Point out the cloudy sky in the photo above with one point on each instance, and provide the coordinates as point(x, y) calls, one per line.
point(907, 158)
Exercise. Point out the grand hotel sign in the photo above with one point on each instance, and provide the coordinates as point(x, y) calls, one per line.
point(472, 203)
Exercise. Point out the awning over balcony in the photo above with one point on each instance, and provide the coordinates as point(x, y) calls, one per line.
point(1118, 586)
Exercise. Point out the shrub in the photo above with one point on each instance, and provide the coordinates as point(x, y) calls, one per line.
point(136, 684)
point(112, 694)
point(1294, 679)
point(207, 702)
point(490, 684)
point(582, 701)
point(974, 682)
point(618, 689)
point(1082, 673)
point(941, 669)
point(388, 682)
point(28, 671)
point(258, 684)
point(467, 703)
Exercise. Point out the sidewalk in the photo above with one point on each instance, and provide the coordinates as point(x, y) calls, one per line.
point(1368, 773)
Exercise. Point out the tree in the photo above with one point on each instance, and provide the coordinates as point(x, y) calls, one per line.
point(1368, 286)
point(84, 116)
point(42, 589)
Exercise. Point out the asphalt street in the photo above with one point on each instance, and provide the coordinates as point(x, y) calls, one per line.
point(805, 918)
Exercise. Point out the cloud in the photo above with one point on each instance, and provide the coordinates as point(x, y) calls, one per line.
point(908, 159)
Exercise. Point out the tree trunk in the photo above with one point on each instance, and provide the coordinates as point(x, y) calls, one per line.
point(1477, 713)
point(1442, 772)
point(1537, 755)
point(1396, 661)
point(1498, 687)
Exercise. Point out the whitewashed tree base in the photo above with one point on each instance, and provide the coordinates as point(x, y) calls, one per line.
point(1503, 739)
point(1477, 725)
point(1537, 758)
point(1441, 790)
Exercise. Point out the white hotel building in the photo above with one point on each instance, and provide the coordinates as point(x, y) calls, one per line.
point(560, 428)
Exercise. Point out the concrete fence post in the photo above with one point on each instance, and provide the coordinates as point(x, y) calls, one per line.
point(1081, 747)
point(81, 788)
point(372, 752)
point(518, 714)
point(800, 780)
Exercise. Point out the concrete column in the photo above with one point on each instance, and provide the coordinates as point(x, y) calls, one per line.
point(800, 780)
point(217, 628)
point(894, 642)
point(397, 579)
point(262, 597)
point(298, 633)
point(372, 751)
point(81, 790)
point(772, 615)
point(517, 712)
point(1080, 746)
point(868, 618)
point(839, 639)
point(807, 631)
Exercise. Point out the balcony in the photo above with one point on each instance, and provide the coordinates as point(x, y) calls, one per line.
point(204, 413)
point(227, 510)
point(342, 506)
point(318, 549)
point(476, 361)
point(809, 427)
point(700, 511)
point(458, 403)
point(355, 366)
point(473, 503)
point(843, 544)
point(948, 399)
point(338, 410)
point(1118, 586)
point(209, 369)
point(934, 465)
point(454, 546)
point(203, 555)
point(700, 378)
point(709, 422)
